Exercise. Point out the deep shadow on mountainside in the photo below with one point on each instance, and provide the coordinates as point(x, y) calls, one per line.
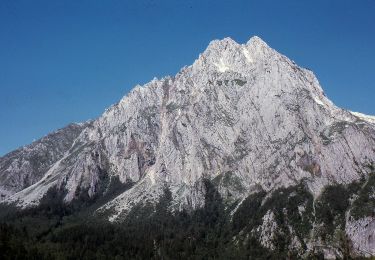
point(56, 230)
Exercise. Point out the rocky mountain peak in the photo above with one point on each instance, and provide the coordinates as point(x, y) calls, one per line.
point(243, 117)
point(226, 55)
point(229, 45)
point(256, 40)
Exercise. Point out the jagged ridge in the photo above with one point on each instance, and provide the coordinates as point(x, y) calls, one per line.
point(243, 116)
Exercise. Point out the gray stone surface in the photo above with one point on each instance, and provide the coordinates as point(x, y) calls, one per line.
point(242, 114)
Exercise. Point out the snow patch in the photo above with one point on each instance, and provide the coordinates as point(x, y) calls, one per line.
point(152, 176)
point(221, 66)
point(370, 119)
point(247, 55)
point(318, 101)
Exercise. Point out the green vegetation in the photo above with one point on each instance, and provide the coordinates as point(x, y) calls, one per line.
point(248, 214)
point(54, 230)
point(229, 180)
point(364, 204)
point(330, 210)
point(240, 82)
point(172, 106)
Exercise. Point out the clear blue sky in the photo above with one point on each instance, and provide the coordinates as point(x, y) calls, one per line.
point(66, 61)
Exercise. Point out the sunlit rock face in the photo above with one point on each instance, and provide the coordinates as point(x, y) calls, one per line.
point(242, 115)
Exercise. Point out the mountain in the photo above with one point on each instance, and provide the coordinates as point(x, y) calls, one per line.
point(243, 119)
point(25, 166)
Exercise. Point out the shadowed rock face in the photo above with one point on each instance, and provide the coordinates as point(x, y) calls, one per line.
point(27, 165)
point(243, 116)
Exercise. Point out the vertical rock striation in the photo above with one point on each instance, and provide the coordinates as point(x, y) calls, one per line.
point(242, 115)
